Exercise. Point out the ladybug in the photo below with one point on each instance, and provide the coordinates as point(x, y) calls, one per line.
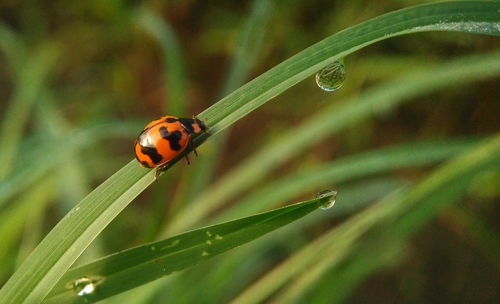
point(163, 139)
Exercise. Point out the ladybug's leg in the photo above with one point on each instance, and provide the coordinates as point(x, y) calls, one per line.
point(160, 169)
point(190, 146)
point(187, 159)
point(157, 173)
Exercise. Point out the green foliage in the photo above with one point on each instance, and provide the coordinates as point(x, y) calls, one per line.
point(71, 97)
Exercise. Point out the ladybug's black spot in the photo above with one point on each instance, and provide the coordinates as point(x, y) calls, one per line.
point(171, 119)
point(152, 153)
point(143, 163)
point(172, 137)
point(187, 123)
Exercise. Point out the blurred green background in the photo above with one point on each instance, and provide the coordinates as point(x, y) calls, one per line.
point(79, 80)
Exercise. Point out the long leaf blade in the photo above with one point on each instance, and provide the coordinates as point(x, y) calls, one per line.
point(139, 265)
point(467, 16)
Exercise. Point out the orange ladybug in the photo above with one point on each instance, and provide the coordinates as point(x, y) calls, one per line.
point(163, 139)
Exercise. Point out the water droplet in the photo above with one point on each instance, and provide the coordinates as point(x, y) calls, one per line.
point(88, 289)
point(84, 286)
point(218, 237)
point(209, 242)
point(204, 253)
point(333, 196)
point(77, 208)
point(331, 77)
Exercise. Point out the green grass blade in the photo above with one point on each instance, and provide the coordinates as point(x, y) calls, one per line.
point(345, 235)
point(13, 218)
point(73, 184)
point(223, 279)
point(363, 265)
point(471, 17)
point(172, 60)
point(334, 245)
point(390, 233)
point(249, 45)
point(55, 254)
point(41, 270)
point(216, 285)
point(43, 154)
point(137, 266)
point(345, 278)
point(331, 119)
point(13, 48)
point(348, 168)
point(32, 232)
point(446, 194)
point(29, 81)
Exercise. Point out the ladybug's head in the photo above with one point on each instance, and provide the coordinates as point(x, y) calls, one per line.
point(193, 125)
point(200, 124)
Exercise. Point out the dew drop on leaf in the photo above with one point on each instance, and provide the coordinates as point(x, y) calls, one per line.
point(84, 286)
point(331, 77)
point(333, 196)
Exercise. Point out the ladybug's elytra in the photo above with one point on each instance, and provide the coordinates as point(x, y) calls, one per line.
point(163, 139)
